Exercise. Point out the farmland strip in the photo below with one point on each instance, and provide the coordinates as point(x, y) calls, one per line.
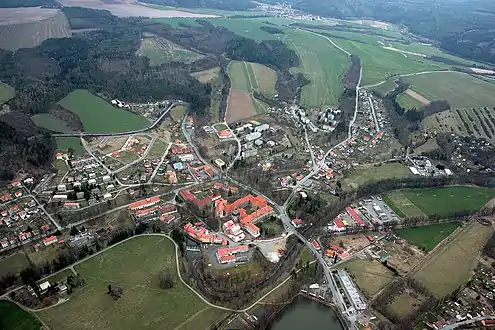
point(483, 124)
point(468, 129)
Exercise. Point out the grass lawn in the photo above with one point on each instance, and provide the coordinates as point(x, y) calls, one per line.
point(13, 264)
point(64, 143)
point(157, 149)
point(451, 266)
point(51, 123)
point(177, 113)
point(401, 205)
point(13, 317)
point(239, 77)
point(408, 102)
point(461, 90)
point(265, 78)
point(370, 275)
point(207, 75)
point(220, 127)
point(99, 116)
point(446, 200)
point(62, 276)
point(306, 256)
point(428, 237)
point(386, 87)
point(404, 304)
point(322, 64)
point(134, 266)
point(385, 171)
point(160, 51)
point(6, 92)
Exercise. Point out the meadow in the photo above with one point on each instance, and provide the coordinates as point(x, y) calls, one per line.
point(370, 275)
point(51, 123)
point(133, 266)
point(13, 264)
point(239, 77)
point(245, 27)
point(64, 143)
point(427, 237)
point(12, 317)
point(403, 304)
point(6, 92)
point(461, 90)
point(207, 75)
point(375, 173)
point(322, 64)
point(451, 266)
point(99, 116)
point(160, 51)
point(446, 200)
point(408, 102)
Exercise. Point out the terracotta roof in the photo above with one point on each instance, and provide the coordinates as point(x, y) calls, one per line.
point(144, 203)
point(352, 212)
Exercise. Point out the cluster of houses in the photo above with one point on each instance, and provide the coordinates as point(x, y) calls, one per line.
point(151, 209)
point(252, 135)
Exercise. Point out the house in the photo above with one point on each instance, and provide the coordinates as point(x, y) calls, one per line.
point(45, 227)
point(4, 244)
point(297, 222)
point(60, 156)
point(59, 197)
point(144, 203)
point(50, 240)
point(252, 229)
point(16, 184)
point(234, 231)
point(24, 236)
point(188, 196)
point(252, 136)
point(61, 187)
point(44, 286)
point(106, 178)
point(339, 226)
point(203, 235)
point(228, 255)
point(92, 182)
point(262, 128)
point(316, 245)
point(71, 205)
point(168, 208)
point(18, 194)
point(220, 163)
point(6, 197)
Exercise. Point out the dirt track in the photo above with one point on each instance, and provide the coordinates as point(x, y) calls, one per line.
point(127, 8)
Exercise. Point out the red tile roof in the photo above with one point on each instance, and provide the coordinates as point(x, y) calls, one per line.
point(352, 212)
point(339, 223)
point(144, 203)
point(232, 250)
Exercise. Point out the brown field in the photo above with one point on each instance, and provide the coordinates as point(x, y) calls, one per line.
point(130, 8)
point(207, 75)
point(405, 303)
point(418, 97)
point(29, 27)
point(239, 106)
point(370, 275)
point(457, 258)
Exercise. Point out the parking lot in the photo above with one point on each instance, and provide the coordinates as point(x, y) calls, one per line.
point(374, 209)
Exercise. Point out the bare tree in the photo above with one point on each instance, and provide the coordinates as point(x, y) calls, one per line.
point(165, 279)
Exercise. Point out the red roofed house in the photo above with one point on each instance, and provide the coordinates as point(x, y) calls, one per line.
point(25, 236)
point(228, 255)
point(4, 244)
point(297, 222)
point(50, 240)
point(18, 194)
point(6, 197)
point(352, 212)
point(144, 203)
point(71, 205)
point(45, 227)
point(181, 149)
point(188, 196)
point(16, 183)
point(168, 208)
point(316, 245)
point(203, 235)
point(146, 212)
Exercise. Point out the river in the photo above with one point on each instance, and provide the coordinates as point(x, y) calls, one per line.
point(303, 313)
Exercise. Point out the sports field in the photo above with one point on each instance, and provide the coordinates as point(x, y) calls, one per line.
point(446, 200)
point(451, 266)
point(51, 123)
point(401, 205)
point(99, 116)
point(322, 64)
point(13, 317)
point(370, 275)
point(133, 266)
point(427, 237)
point(376, 173)
point(461, 90)
point(6, 92)
point(64, 143)
point(161, 51)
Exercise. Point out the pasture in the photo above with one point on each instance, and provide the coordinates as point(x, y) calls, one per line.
point(322, 64)
point(370, 275)
point(178, 113)
point(12, 317)
point(6, 92)
point(99, 116)
point(160, 51)
point(264, 77)
point(133, 266)
point(29, 27)
point(386, 87)
point(74, 143)
point(406, 101)
point(461, 90)
point(240, 81)
point(207, 75)
point(427, 237)
point(13, 264)
point(375, 173)
point(452, 264)
point(446, 200)
point(478, 122)
point(51, 123)
point(245, 27)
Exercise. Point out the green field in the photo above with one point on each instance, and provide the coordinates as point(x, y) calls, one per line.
point(401, 205)
point(461, 90)
point(13, 264)
point(446, 200)
point(245, 27)
point(51, 123)
point(99, 116)
point(6, 92)
point(239, 77)
point(176, 22)
point(161, 51)
point(376, 173)
point(248, 77)
point(408, 102)
point(64, 143)
point(451, 266)
point(370, 275)
point(133, 266)
point(386, 87)
point(404, 304)
point(178, 112)
point(13, 317)
point(322, 64)
point(427, 237)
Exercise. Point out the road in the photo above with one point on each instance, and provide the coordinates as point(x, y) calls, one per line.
point(473, 320)
point(42, 208)
point(149, 128)
point(312, 154)
point(408, 75)
point(377, 126)
point(123, 168)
